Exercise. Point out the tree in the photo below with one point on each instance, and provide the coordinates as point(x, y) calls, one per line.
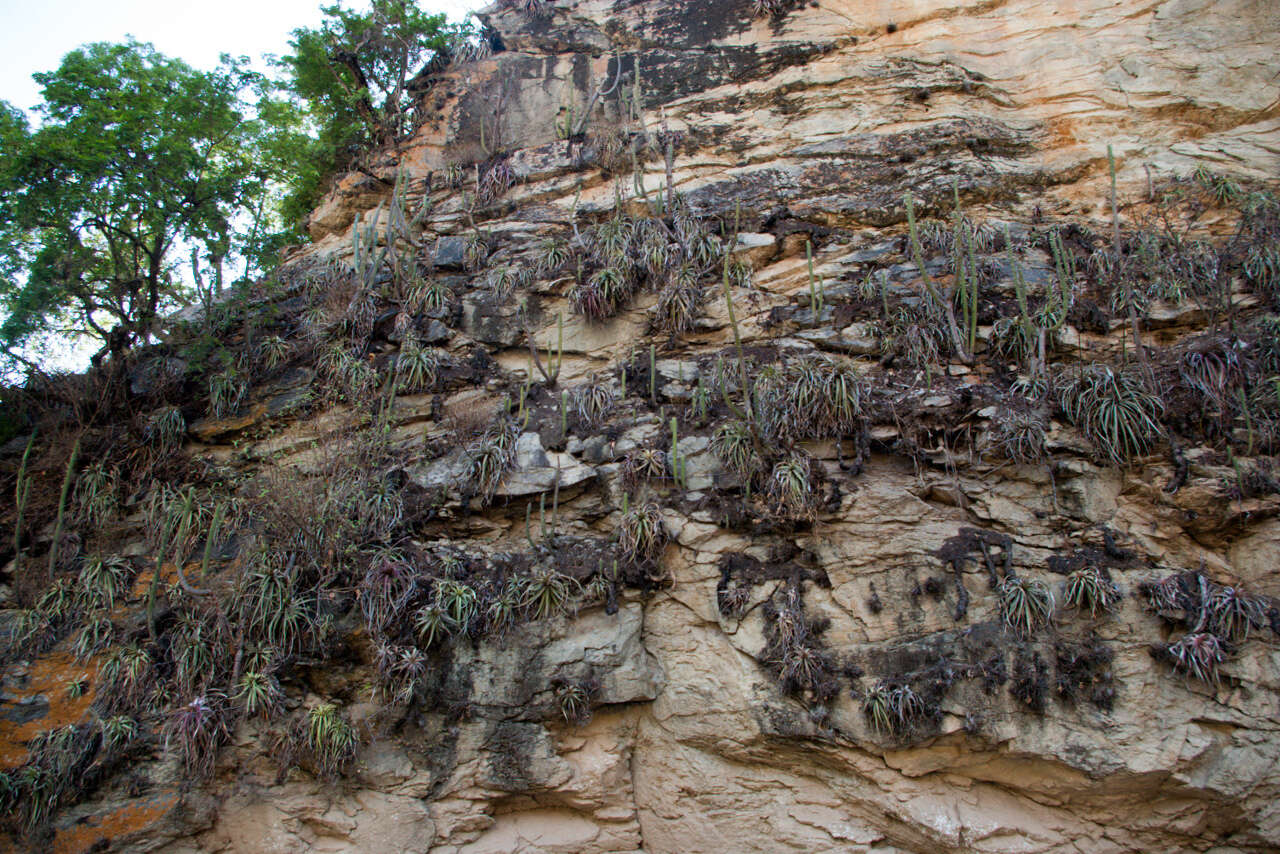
point(354, 75)
point(137, 156)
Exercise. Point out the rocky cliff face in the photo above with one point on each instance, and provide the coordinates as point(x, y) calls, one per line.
point(815, 616)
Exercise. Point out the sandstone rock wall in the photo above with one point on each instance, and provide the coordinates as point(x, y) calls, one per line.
point(806, 127)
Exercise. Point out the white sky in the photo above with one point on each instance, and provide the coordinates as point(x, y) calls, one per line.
point(36, 34)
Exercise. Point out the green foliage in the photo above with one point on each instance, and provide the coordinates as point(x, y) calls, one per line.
point(165, 428)
point(734, 445)
point(546, 592)
point(791, 486)
point(330, 737)
point(642, 535)
point(417, 367)
point(136, 154)
point(103, 581)
point(1025, 604)
point(95, 494)
point(351, 76)
point(893, 708)
point(1089, 588)
point(1112, 408)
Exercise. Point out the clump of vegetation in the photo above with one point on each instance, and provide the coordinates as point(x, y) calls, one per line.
point(794, 651)
point(330, 738)
point(1089, 588)
point(574, 698)
point(1113, 409)
point(893, 709)
point(1025, 604)
point(1217, 620)
point(1083, 672)
point(196, 730)
point(642, 535)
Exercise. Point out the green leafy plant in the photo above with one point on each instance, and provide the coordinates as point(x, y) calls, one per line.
point(791, 486)
point(460, 602)
point(126, 678)
point(1112, 408)
point(893, 709)
point(103, 581)
point(258, 692)
point(165, 428)
point(546, 592)
point(1088, 588)
point(431, 623)
point(95, 494)
point(330, 737)
point(56, 544)
point(95, 636)
point(1025, 604)
point(118, 731)
point(227, 390)
point(642, 535)
point(734, 444)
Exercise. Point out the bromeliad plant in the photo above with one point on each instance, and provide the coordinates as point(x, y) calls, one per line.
point(165, 428)
point(1088, 588)
point(417, 367)
point(792, 487)
point(1025, 604)
point(196, 730)
point(547, 592)
point(641, 533)
point(103, 581)
point(893, 709)
point(330, 737)
point(1113, 408)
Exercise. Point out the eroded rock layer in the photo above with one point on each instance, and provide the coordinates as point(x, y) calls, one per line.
point(820, 657)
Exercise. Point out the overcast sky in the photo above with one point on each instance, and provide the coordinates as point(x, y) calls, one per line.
point(36, 34)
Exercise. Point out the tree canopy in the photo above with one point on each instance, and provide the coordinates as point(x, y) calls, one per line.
point(137, 155)
point(140, 165)
point(352, 75)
